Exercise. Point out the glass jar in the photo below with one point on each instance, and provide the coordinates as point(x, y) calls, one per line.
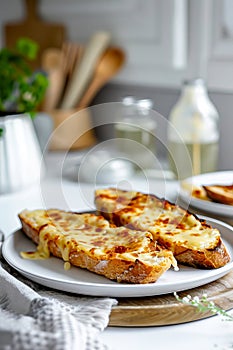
point(193, 134)
point(135, 132)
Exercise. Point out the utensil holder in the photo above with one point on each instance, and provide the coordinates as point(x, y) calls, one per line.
point(72, 130)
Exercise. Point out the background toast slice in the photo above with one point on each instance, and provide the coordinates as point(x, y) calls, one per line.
point(220, 193)
point(192, 241)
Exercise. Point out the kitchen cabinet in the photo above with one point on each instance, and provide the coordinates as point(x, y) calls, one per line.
point(152, 32)
point(166, 41)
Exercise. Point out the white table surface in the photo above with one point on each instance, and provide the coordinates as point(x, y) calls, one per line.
point(60, 189)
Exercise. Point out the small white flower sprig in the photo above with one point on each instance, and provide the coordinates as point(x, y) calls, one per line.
point(203, 304)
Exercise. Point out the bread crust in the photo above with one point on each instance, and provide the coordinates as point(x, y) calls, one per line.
point(213, 257)
point(113, 268)
point(220, 193)
point(207, 258)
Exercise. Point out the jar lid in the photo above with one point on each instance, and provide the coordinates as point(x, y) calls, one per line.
point(145, 103)
point(128, 100)
point(102, 166)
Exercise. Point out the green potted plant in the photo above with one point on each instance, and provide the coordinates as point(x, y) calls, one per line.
point(21, 89)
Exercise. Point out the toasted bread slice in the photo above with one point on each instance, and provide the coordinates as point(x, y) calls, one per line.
point(220, 193)
point(192, 241)
point(89, 241)
point(196, 191)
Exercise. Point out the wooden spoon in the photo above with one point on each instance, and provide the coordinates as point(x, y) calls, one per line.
point(109, 64)
point(52, 63)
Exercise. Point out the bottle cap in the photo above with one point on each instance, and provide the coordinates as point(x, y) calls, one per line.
point(194, 81)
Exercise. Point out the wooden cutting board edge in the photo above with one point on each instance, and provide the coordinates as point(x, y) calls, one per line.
point(46, 34)
point(166, 310)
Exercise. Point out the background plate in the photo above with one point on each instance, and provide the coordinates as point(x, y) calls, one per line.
point(221, 178)
point(51, 273)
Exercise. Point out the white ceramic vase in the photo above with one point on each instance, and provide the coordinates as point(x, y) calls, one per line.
point(21, 161)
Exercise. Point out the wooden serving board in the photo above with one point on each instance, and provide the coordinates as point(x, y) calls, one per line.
point(166, 310)
point(46, 34)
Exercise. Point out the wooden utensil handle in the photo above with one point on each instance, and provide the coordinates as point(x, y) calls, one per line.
point(31, 9)
point(84, 71)
point(93, 88)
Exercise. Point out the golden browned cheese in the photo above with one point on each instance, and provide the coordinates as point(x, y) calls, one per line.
point(90, 241)
point(192, 240)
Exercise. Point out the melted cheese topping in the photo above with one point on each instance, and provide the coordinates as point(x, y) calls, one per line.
point(117, 199)
point(165, 221)
point(91, 234)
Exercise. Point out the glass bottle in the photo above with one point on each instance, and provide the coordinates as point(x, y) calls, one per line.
point(193, 134)
point(135, 131)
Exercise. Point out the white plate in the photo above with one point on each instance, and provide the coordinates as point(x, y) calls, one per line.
point(51, 273)
point(222, 178)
